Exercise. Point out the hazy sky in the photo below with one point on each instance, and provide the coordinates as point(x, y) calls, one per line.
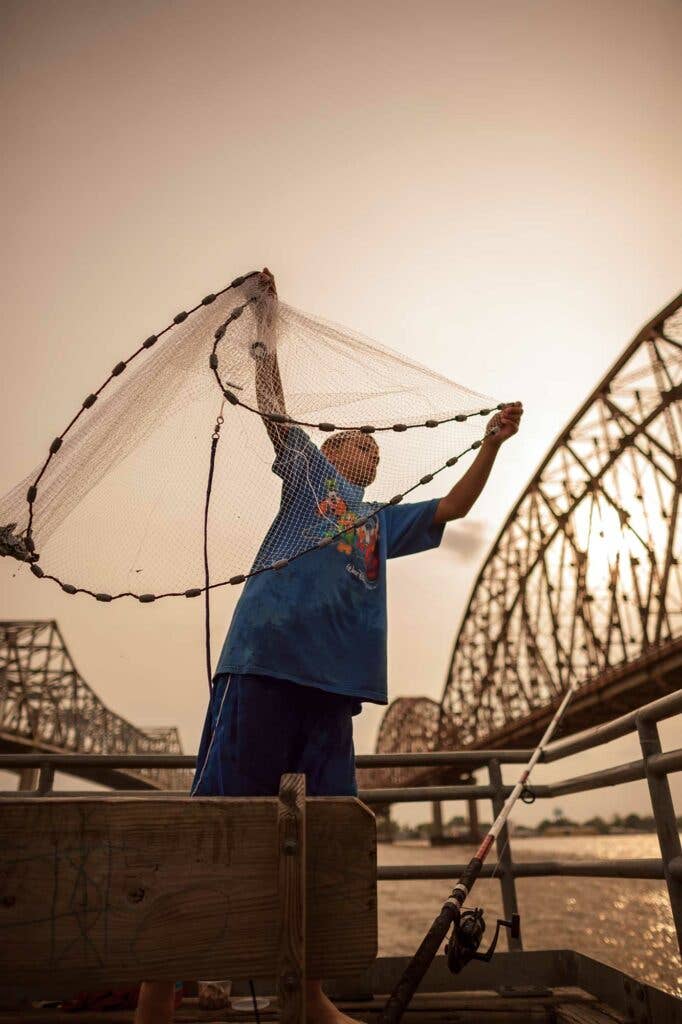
point(492, 188)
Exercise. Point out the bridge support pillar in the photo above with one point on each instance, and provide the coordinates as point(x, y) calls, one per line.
point(28, 779)
point(437, 837)
point(436, 824)
point(385, 825)
point(474, 830)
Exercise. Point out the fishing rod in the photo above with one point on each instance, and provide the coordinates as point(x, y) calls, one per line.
point(468, 926)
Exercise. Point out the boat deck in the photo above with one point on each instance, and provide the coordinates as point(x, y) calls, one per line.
point(100, 890)
point(567, 1005)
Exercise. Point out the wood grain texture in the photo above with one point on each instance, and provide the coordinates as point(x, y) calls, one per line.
point(597, 1013)
point(111, 891)
point(291, 944)
point(341, 904)
point(426, 1008)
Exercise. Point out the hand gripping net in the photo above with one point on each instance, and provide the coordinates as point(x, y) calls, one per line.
point(119, 508)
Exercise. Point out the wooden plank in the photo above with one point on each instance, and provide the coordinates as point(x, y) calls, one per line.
point(189, 1013)
point(474, 1000)
point(291, 943)
point(105, 892)
point(432, 1007)
point(595, 1013)
point(441, 1016)
point(341, 891)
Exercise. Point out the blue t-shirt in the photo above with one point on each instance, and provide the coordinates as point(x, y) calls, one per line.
point(321, 620)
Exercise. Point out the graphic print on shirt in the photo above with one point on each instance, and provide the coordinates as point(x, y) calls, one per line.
point(361, 544)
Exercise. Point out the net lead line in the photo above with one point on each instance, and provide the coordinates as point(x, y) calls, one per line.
point(24, 547)
point(69, 588)
point(326, 428)
point(90, 399)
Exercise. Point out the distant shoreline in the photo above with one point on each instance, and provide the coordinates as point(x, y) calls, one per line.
point(457, 829)
point(518, 834)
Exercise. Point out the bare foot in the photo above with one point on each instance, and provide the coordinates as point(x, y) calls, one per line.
point(321, 1010)
point(214, 995)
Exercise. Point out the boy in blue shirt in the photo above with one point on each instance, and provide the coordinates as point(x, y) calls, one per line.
point(307, 643)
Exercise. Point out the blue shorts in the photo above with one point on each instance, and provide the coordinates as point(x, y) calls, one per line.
point(257, 728)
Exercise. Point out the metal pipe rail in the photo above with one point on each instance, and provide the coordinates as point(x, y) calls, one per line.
point(644, 867)
point(655, 711)
point(62, 762)
point(654, 766)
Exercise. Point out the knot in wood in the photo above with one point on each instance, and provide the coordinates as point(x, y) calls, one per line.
point(290, 981)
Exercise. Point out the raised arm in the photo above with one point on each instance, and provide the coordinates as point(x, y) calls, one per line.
point(269, 391)
point(269, 395)
point(462, 496)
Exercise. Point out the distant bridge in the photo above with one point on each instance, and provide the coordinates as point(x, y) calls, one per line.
point(47, 707)
point(583, 581)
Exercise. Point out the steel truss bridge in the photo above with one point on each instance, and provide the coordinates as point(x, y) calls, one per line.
point(583, 581)
point(47, 707)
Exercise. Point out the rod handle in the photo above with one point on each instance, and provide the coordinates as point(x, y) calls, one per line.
point(413, 974)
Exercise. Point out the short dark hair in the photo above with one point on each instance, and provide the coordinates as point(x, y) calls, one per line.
point(334, 441)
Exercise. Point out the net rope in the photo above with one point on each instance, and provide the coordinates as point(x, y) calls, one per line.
point(120, 505)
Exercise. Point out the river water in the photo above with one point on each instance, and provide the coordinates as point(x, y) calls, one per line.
point(623, 922)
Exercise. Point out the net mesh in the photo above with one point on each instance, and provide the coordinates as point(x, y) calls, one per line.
point(118, 506)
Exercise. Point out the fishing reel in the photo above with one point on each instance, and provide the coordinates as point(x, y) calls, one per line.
point(467, 935)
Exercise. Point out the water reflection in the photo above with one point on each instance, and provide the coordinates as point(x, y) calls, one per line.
point(626, 923)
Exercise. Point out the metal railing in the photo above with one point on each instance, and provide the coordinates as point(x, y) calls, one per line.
point(654, 766)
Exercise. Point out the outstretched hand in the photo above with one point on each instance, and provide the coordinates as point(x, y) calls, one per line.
point(461, 497)
point(268, 281)
point(507, 420)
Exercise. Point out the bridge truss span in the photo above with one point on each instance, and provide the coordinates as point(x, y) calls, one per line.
point(583, 581)
point(46, 706)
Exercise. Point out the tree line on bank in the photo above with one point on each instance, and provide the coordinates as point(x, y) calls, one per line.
point(616, 825)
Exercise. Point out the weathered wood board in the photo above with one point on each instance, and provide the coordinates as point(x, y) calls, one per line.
point(425, 1008)
point(112, 891)
point(291, 944)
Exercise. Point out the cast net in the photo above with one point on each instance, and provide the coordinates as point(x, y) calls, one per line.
point(305, 428)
